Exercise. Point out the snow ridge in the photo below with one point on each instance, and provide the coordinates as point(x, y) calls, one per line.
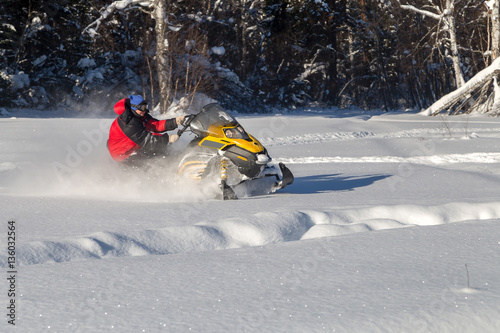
point(257, 230)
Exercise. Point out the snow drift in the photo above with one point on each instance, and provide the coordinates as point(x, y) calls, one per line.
point(255, 230)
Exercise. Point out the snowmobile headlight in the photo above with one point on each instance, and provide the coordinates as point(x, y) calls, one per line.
point(263, 159)
point(236, 133)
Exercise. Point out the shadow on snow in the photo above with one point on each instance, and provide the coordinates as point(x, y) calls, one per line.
point(331, 182)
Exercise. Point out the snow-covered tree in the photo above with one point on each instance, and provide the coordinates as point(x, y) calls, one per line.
point(158, 11)
point(367, 53)
point(368, 40)
point(462, 94)
point(40, 45)
point(468, 35)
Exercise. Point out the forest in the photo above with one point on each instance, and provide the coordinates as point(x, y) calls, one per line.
point(251, 56)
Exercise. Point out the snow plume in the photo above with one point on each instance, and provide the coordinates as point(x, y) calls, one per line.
point(190, 104)
point(76, 163)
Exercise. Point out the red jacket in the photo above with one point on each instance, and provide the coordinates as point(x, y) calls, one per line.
point(131, 133)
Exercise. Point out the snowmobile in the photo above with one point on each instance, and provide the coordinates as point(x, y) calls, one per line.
point(225, 158)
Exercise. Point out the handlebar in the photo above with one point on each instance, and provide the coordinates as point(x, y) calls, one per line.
point(187, 121)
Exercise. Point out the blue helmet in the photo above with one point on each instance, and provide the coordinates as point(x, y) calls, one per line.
point(136, 101)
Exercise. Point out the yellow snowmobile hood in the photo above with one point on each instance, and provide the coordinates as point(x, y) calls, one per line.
point(218, 138)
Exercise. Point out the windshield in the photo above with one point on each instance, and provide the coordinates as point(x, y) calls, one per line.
point(212, 116)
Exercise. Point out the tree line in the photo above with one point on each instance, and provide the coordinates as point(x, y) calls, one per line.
point(249, 55)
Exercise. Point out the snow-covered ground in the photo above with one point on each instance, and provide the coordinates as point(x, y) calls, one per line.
point(392, 225)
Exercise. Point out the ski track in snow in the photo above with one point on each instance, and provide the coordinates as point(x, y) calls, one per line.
point(426, 160)
point(315, 138)
point(256, 230)
point(484, 158)
point(344, 136)
point(7, 166)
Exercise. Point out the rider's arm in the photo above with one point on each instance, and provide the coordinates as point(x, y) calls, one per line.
point(155, 125)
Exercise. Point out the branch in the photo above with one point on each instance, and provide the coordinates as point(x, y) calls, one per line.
point(423, 12)
point(116, 5)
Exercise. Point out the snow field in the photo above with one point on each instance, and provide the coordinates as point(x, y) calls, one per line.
point(386, 281)
point(373, 236)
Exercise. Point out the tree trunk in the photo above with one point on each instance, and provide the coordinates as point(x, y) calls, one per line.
point(450, 21)
point(495, 52)
point(495, 27)
point(162, 60)
point(364, 19)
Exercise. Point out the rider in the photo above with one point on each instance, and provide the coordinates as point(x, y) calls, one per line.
point(135, 135)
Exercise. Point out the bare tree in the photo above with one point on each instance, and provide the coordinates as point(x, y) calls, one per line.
point(446, 23)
